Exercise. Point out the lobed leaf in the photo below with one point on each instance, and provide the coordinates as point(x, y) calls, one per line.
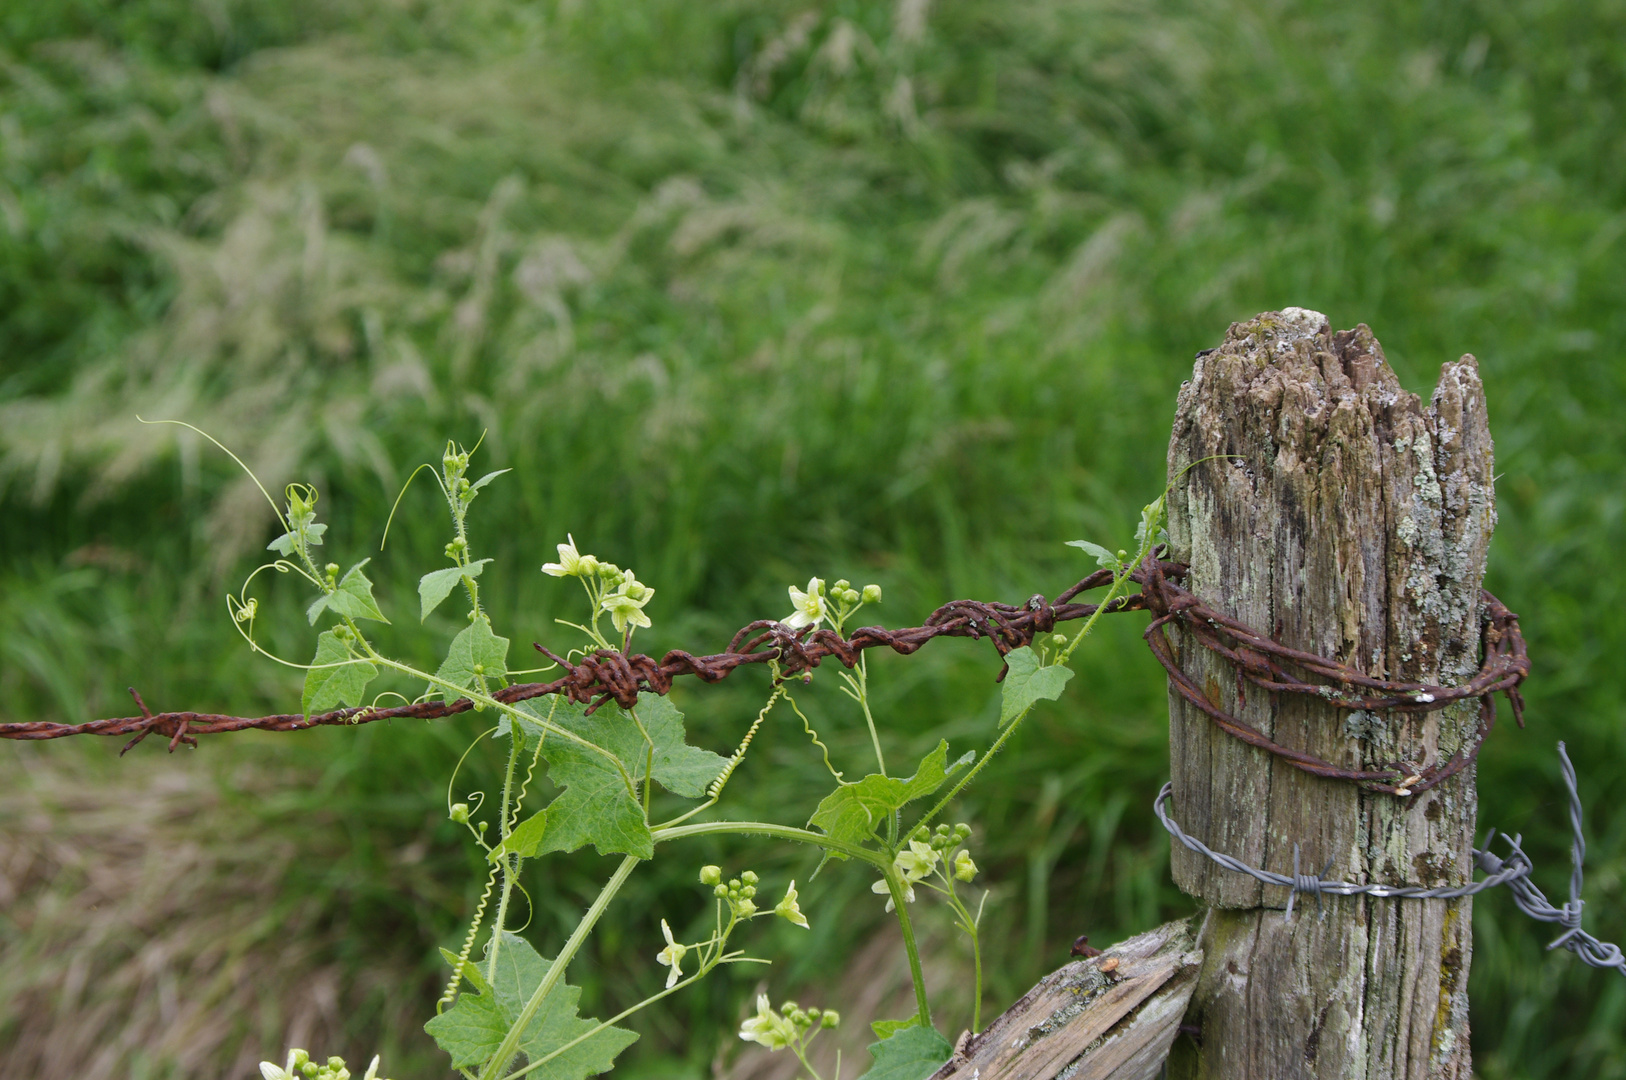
point(472, 1029)
point(1026, 681)
point(335, 677)
point(353, 598)
point(852, 812)
point(1105, 559)
point(437, 585)
point(475, 654)
point(910, 1053)
point(598, 803)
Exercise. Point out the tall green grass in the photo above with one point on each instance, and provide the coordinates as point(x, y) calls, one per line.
point(753, 291)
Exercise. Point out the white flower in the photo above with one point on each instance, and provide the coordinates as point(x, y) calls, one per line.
point(767, 1027)
point(372, 1071)
point(570, 564)
point(810, 606)
point(673, 955)
point(908, 892)
point(789, 910)
point(296, 1059)
point(626, 604)
point(918, 862)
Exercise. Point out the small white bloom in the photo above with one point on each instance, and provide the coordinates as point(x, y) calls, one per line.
point(296, 1059)
point(672, 955)
point(809, 605)
point(789, 910)
point(569, 564)
point(767, 1027)
point(908, 892)
point(918, 862)
point(627, 610)
point(372, 1071)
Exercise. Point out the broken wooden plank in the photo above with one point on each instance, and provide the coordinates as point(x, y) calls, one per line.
point(1114, 1015)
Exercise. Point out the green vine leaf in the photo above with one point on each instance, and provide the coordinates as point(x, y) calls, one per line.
point(884, 1029)
point(910, 1053)
point(286, 544)
point(353, 598)
point(1027, 681)
point(471, 1030)
point(476, 654)
point(679, 768)
point(437, 585)
point(852, 812)
point(599, 803)
point(335, 678)
point(1105, 559)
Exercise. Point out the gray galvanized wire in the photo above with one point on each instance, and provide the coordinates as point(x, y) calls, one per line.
point(1513, 871)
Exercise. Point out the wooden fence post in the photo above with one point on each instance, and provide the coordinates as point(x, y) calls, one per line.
point(1352, 522)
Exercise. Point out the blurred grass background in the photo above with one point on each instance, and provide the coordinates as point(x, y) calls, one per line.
point(743, 292)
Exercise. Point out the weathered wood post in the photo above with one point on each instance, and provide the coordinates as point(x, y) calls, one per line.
point(1352, 522)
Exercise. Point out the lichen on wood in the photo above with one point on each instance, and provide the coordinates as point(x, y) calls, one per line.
point(1348, 519)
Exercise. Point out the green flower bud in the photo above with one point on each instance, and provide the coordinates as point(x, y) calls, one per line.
point(1058, 639)
point(872, 595)
point(830, 1019)
point(483, 826)
point(460, 813)
point(733, 884)
point(964, 868)
point(842, 586)
point(335, 1062)
point(710, 875)
point(720, 892)
point(849, 597)
point(749, 891)
point(961, 831)
point(309, 1069)
point(746, 908)
point(332, 569)
point(749, 877)
point(813, 1014)
point(300, 1057)
point(787, 1009)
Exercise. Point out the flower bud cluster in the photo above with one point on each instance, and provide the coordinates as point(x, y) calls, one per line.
point(789, 1025)
point(836, 603)
point(739, 893)
point(301, 1066)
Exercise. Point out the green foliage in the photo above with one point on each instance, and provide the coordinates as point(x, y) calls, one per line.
point(1028, 681)
point(336, 677)
point(437, 585)
point(476, 654)
point(471, 1029)
point(910, 1053)
point(773, 296)
point(852, 812)
point(353, 598)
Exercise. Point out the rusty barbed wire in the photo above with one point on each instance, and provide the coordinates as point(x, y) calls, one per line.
point(607, 675)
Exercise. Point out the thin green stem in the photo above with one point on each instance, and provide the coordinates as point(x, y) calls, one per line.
point(705, 969)
point(779, 832)
point(863, 701)
point(894, 885)
point(510, 1042)
point(880, 860)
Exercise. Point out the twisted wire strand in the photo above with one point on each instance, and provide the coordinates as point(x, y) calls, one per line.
point(1513, 871)
point(607, 675)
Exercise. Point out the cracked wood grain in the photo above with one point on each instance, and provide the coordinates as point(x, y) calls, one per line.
point(1353, 521)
